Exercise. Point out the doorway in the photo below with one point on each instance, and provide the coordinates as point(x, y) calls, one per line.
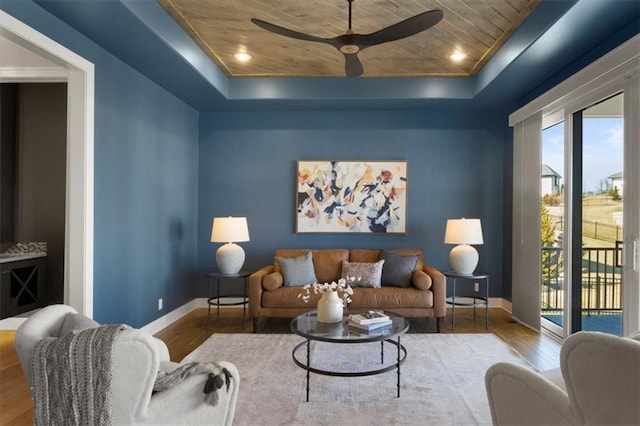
point(78, 73)
point(586, 291)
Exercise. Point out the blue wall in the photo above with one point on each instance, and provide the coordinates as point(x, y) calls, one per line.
point(456, 161)
point(146, 150)
point(162, 171)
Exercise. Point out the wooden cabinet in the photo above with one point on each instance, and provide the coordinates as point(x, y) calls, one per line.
point(21, 286)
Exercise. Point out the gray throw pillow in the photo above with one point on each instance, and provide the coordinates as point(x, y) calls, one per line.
point(297, 271)
point(365, 274)
point(76, 322)
point(398, 268)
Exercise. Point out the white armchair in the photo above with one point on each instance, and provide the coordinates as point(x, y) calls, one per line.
point(137, 358)
point(598, 384)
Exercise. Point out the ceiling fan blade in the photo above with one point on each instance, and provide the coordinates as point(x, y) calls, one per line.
point(287, 32)
point(402, 29)
point(352, 65)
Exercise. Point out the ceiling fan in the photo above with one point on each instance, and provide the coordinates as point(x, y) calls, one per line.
point(350, 44)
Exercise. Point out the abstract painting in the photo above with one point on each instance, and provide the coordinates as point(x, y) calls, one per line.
point(351, 196)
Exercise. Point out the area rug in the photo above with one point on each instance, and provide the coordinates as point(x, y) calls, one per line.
point(442, 380)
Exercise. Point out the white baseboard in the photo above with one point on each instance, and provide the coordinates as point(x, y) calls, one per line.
point(500, 303)
point(173, 316)
point(494, 302)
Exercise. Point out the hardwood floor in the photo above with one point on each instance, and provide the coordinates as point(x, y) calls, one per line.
point(189, 332)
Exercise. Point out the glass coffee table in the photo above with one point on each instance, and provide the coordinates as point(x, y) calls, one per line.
point(308, 326)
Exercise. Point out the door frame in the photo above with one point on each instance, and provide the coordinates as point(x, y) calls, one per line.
point(78, 73)
point(617, 71)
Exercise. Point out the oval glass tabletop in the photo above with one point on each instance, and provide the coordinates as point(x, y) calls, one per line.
point(308, 326)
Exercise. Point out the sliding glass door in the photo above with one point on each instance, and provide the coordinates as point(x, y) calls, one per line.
point(582, 275)
point(598, 217)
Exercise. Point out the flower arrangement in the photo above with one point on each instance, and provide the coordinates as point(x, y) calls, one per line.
point(342, 286)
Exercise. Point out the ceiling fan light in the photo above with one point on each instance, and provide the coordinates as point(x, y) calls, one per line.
point(242, 57)
point(457, 56)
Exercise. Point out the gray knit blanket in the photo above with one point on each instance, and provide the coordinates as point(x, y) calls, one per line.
point(218, 377)
point(72, 377)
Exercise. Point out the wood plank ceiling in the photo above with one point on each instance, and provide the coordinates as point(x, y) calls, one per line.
point(223, 27)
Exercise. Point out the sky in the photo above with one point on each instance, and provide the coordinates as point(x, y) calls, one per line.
point(602, 152)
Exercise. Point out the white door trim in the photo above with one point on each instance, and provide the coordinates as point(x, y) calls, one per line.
point(78, 268)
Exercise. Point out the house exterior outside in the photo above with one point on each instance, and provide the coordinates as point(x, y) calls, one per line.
point(550, 181)
point(617, 181)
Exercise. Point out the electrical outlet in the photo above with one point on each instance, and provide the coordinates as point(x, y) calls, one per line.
point(160, 304)
point(476, 287)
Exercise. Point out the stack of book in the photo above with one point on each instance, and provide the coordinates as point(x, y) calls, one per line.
point(369, 321)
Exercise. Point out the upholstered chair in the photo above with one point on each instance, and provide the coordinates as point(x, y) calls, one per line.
point(137, 358)
point(598, 383)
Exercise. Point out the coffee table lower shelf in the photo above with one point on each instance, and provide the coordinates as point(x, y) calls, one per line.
point(342, 334)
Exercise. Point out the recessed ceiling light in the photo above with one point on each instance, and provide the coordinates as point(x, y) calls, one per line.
point(457, 56)
point(242, 57)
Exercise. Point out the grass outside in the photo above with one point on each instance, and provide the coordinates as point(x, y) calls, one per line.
point(600, 228)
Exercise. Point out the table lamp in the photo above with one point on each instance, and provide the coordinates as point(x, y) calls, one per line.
point(229, 230)
point(463, 257)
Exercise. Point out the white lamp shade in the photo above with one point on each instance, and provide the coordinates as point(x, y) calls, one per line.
point(463, 231)
point(229, 230)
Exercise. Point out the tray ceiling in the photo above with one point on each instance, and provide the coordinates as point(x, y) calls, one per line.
point(222, 28)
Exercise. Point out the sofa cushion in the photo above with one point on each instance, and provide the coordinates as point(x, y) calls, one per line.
point(76, 322)
point(390, 298)
point(364, 256)
point(398, 268)
point(421, 280)
point(272, 281)
point(328, 264)
point(287, 298)
point(297, 271)
point(365, 274)
point(386, 298)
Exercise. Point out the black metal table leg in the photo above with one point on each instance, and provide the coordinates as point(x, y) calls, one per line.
point(308, 365)
point(218, 302)
point(486, 307)
point(209, 304)
point(453, 304)
point(398, 362)
point(244, 305)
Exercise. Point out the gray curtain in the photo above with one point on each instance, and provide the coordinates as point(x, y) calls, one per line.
point(527, 136)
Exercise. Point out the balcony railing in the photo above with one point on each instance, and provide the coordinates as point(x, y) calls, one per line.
point(601, 281)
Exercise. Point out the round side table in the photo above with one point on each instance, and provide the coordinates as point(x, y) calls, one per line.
point(474, 299)
point(215, 300)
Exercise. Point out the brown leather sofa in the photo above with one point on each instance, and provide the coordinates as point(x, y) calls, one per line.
point(269, 298)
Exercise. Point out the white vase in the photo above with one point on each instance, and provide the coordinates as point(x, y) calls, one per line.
point(330, 307)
